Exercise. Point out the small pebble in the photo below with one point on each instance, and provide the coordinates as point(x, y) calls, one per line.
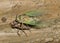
point(48, 39)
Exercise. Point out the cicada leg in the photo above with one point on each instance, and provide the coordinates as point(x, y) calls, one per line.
point(18, 32)
point(29, 29)
point(22, 29)
point(24, 32)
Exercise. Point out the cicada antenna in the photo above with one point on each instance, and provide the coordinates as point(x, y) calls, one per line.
point(16, 18)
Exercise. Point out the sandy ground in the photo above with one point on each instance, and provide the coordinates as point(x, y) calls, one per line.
point(43, 35)
point(36, 36)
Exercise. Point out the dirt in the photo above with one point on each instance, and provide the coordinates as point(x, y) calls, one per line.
point(48, 34)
